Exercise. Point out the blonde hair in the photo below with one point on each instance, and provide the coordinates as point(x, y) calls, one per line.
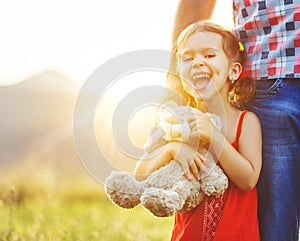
point(243, 88)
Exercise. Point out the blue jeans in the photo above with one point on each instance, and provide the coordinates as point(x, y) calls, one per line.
point(277, 104)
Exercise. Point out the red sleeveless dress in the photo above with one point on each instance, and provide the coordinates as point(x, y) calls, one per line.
point(230, 217)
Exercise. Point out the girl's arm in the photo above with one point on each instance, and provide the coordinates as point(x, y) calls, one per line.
point(150, 162)
point(242, 167)
point(190, 160)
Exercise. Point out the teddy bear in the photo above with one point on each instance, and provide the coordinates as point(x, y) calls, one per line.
point(167, 190)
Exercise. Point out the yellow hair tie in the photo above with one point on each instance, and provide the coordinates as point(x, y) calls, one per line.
point(241, 46)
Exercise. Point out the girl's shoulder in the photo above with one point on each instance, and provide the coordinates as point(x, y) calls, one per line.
point(249, 124)
point(249, 117)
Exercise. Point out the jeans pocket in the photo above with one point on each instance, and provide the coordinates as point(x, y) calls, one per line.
point(268, 88)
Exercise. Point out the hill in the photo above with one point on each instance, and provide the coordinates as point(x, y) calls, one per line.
point(37, 129)
point(36, 117)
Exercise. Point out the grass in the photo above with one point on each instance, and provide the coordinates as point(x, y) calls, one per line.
point(51, 207)
point(76, 211)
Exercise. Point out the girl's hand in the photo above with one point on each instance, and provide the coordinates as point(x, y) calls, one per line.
point(189, 158)
point(202, 128)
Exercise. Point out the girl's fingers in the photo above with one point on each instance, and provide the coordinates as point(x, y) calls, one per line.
point(194, 129)
point(199, 161)
point(202, 157)
point(194, 134)
point(171, 119)
point(193, 124)
point(196, 113)
point(197, 165)
point(194, 170)
point(187, 173)
point(189, 167)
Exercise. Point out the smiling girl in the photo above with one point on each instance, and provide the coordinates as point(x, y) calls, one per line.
point(209, 64)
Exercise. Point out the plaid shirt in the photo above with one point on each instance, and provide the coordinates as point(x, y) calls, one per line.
point(270, 32)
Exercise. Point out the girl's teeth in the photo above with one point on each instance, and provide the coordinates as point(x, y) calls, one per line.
point(200, 76)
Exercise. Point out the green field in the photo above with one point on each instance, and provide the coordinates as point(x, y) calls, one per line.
point(56, 208)
point(73, 212)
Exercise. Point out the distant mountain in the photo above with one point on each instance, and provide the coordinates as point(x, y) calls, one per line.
point(37, 126)
point(36, 118)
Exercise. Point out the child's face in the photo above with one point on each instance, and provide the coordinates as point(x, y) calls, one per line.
point(203, 66)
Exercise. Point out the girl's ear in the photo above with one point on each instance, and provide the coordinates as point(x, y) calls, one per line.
point(236, 70)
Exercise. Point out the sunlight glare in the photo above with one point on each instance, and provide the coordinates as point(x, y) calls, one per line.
point(223, 13)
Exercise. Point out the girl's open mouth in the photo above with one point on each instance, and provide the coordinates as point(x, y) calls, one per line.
point(200, 81)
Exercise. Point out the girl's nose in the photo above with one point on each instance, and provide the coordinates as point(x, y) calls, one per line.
point(198, 61)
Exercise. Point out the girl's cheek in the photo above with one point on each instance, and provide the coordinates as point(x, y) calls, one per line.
point(180, 70)
point(183, 69)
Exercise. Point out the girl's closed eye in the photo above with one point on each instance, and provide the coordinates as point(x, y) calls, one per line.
point(208, 56)
point(187, 58)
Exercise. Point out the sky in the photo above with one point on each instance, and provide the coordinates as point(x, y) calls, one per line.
point(77, 36)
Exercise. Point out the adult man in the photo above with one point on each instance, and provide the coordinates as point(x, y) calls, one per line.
point(270, 32)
